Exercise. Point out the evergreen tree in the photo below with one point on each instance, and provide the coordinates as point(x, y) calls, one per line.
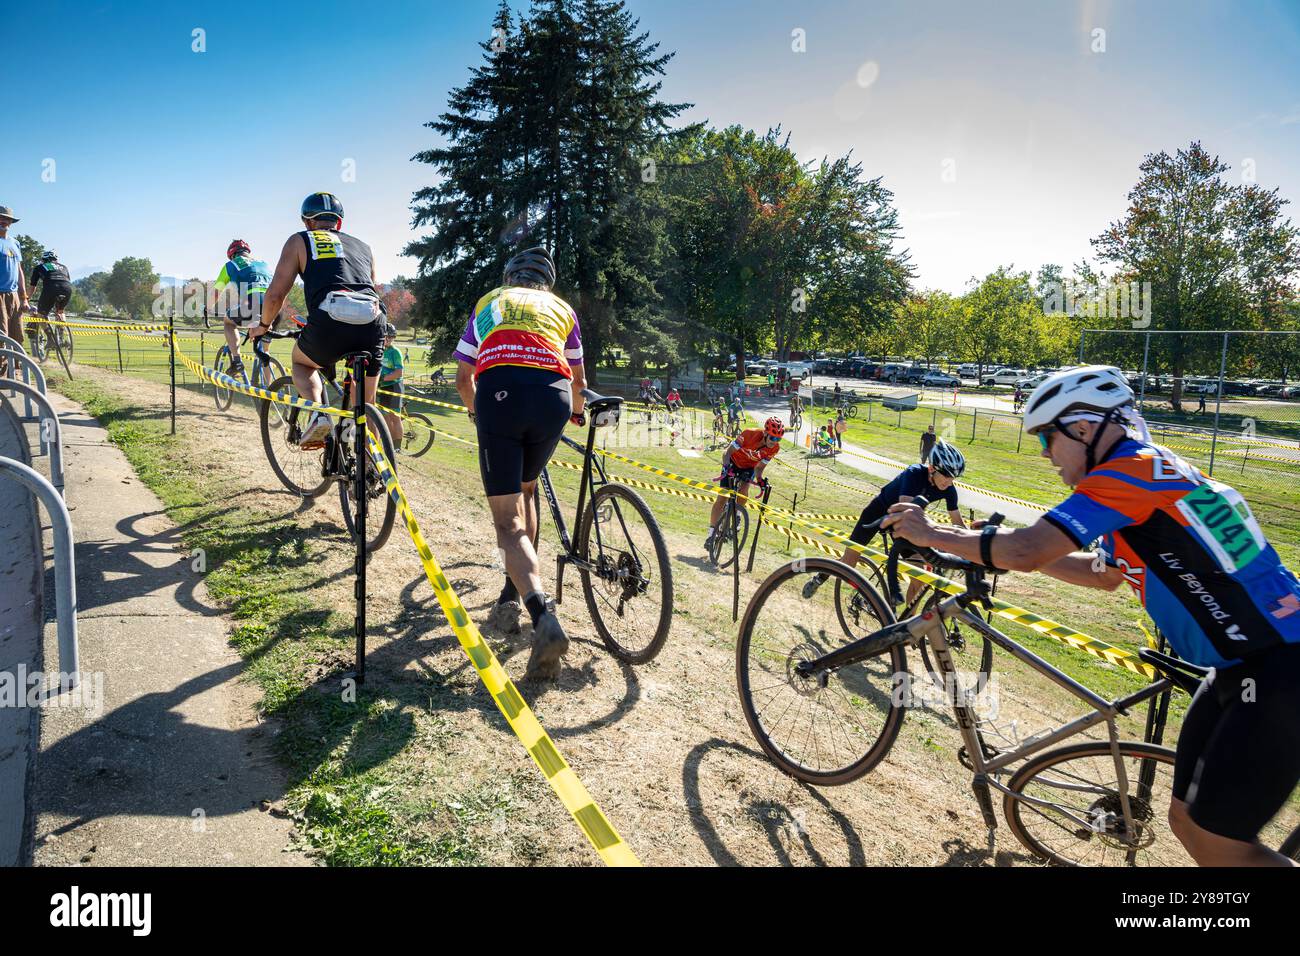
point(545, 146)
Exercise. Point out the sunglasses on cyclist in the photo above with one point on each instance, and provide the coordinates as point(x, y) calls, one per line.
point(1045, 435)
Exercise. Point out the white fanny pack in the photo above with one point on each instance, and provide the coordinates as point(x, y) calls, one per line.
point(351, 308)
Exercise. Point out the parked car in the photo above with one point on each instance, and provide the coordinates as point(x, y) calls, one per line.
point(969, 370)
point(1289, 391)
point(1032, 381)
point(1238, 388)
point(939, 379)
point(1004, 376)
point(892, 372)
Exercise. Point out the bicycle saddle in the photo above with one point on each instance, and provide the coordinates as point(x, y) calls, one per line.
point(604, 409)
point(1183, 674)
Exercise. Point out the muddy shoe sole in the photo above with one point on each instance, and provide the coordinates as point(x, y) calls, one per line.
point(550, 644)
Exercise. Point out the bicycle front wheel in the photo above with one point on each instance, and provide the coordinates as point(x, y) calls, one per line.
point(1066, 806)
point(65, 342)
point(629, 591)
point(301, 471)
point(828, 727)
point(852, 411)
point(733, 532)
point(220, 394)
point(268, 373)
point(417, 434)
point(380, 509)
point(39, 346)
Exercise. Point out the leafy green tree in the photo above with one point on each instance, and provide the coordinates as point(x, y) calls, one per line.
point(31, 252)
point(1218, 255)
point(130, 286)
point(92, 287)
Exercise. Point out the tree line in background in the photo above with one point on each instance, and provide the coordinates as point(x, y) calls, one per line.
point(692, 244)
point(672, 244)
point(131, 289)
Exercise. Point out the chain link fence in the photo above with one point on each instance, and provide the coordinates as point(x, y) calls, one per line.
point(1223, 399)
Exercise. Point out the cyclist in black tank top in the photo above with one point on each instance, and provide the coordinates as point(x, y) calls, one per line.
point(338, 273)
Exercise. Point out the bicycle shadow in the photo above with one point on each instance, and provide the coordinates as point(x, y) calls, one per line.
point(781, 825)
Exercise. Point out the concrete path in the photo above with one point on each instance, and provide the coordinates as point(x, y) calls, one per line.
point(20, 636)
point(174, 768)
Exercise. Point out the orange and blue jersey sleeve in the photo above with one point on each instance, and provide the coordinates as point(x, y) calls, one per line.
point(1121, 491)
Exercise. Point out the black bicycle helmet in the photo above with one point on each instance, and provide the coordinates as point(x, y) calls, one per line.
point(322, 206)
point(532, 265)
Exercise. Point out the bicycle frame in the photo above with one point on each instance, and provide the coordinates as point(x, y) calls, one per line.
point(932, 627)
point(569, 553)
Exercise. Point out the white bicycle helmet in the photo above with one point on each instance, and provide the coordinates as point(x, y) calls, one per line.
point(1098, 393)
point(947, 460)
point(1092, 388)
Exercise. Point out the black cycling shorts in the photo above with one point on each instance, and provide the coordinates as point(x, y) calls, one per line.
point(53, 298)
point(326, 341)
point(391, 402)
point(520, 413)
point(735, 477)
point(1239, 750)
point(870, 515)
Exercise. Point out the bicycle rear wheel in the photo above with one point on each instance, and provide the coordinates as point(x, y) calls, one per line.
point(220, 394)
point(828, 728)
point(381, 509)
point(301, 471)
point(417, 434)
point(630, 591)
point(1079, 819)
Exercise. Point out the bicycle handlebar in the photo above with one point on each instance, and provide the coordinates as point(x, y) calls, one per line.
point(975, 573)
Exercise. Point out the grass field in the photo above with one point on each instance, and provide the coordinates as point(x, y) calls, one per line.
point(397, 781)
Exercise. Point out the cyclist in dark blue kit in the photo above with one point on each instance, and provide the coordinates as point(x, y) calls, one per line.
point(934, 479)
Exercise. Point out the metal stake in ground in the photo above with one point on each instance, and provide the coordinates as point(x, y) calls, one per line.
point(762, 509)
point(171, 354)
point(359, 493)
point(118, 335)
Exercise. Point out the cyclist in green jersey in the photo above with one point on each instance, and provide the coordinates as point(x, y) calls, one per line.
point(243, 281)
point(390, 380)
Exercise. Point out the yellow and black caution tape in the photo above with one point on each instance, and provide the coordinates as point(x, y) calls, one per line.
point(103, 326)
point(571, 791)
point(575, 797)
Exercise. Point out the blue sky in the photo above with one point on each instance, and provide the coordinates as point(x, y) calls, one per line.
point(1005, 137)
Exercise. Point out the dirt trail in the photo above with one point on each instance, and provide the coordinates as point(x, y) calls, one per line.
point(663, 747)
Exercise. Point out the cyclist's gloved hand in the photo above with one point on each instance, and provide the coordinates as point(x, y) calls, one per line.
point(578, 418)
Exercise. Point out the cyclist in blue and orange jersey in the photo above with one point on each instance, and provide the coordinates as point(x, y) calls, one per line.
point(743, 462)
point(243, 281)
point(521, 373)
point(1193, 553)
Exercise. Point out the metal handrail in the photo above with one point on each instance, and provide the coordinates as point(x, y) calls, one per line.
point(6, 341)
point(65, 571)
point(56, 442)
point(29, 366)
